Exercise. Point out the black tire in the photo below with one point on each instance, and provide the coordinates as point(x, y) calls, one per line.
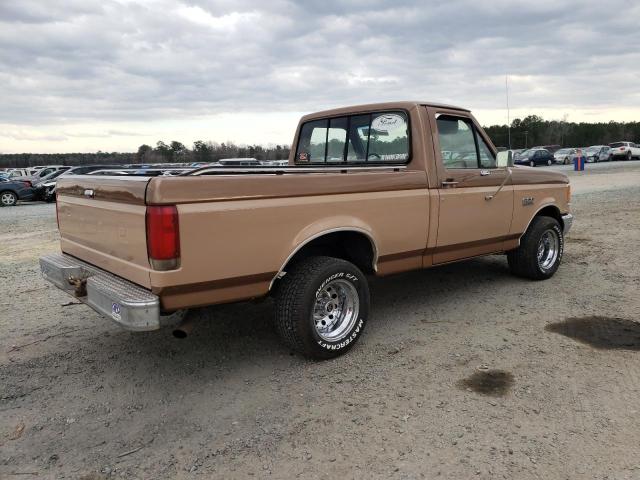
point(549, 163)
point(298, 294)
point(524, 261)
point(532, 163)
point(629, 156)
point(8, 199)
point(566, 160)
point(610, 159)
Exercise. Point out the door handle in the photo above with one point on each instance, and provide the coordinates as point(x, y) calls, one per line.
point(449, 183)
point(484, 173)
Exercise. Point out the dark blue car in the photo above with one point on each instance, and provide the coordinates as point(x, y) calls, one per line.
point(534, 157)
point(13, 190)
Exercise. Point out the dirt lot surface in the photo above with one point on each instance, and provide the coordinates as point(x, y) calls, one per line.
point(464, 372)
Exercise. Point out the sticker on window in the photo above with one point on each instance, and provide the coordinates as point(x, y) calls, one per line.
point(387, 122)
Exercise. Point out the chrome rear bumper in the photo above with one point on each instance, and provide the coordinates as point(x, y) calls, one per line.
point(129, 305)
point(567, 220)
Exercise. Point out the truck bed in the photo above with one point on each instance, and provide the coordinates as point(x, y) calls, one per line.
point(232, 244)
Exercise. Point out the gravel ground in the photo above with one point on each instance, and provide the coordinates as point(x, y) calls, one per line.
point(80, 398)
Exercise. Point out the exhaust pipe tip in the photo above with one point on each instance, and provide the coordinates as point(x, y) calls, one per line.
point(180, 333)
point(184, 328)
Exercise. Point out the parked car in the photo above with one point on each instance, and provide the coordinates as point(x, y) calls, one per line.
point(43, 174)
point(625, 150)
point(138, 248)
point(597, 153)
point(517, 152)
point(46, 189)
point(535, 156)
point(565, 155)
point(13, 190)
point(20, 173)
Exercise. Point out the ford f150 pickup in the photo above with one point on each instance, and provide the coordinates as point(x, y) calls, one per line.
point(369, 190)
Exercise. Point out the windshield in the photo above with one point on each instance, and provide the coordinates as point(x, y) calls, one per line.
point(617, 144)
point(563, 151)
point(592, 149)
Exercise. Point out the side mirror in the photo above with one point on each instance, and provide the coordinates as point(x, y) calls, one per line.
point(505, 158)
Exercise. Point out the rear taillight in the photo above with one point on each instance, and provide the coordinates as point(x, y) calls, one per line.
point(163, 237)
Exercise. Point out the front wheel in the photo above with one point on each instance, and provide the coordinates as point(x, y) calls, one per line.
point(532, 163)
point(566, 160)
point(629, 155)
point(8, 199)
point(549, 162)
point(540, 251)
point(322, 307)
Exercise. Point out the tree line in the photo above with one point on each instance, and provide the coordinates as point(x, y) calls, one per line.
point(527, 132)
point(535, 131)
point(173, 152)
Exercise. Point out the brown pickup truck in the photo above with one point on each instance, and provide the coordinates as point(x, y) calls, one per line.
point(369, 190)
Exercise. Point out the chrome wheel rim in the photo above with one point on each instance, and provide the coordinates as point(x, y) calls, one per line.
point(7, 199)
point(335, 311)
point(548, 249)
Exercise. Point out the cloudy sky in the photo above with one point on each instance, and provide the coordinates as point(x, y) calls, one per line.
point(88, 75)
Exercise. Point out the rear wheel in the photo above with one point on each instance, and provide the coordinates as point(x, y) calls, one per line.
point(540, 251)
point(549, 162)
point(628, 156)
point(566, 160)
point(322, 307)
point(532, 163)
point(8, 199)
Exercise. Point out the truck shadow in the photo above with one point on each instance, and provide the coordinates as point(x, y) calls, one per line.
point(236, 337)
point(246, 331)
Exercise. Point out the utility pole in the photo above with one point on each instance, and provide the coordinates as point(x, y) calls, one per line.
point(506, 87)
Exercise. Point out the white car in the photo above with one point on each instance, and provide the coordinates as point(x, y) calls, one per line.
point(565, 155)
point(19, 172)
point(598, 153)
point(626, 150)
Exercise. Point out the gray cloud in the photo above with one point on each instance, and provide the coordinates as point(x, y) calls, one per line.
point(101, 60)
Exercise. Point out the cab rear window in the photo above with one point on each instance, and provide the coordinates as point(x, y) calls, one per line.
point(380, 137)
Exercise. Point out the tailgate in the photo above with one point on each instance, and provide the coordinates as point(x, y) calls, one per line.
point(102, 221)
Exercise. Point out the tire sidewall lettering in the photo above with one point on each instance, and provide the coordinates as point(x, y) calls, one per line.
point(345, 342)
point(349, 276)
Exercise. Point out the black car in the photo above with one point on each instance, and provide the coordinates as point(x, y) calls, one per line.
point(13, 190)
point(535, 157)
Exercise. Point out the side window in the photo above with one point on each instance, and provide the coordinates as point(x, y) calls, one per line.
point(388, 137)
point(457, 143)
point(487, 160)
point(313, 142)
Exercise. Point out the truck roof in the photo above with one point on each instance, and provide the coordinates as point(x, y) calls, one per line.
point(369, 107)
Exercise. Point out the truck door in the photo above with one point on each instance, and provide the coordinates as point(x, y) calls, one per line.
point(475, 196)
